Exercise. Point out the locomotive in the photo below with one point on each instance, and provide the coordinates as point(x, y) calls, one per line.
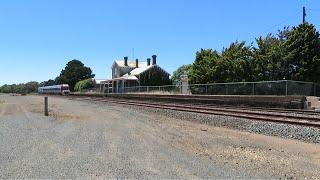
point(62, 89)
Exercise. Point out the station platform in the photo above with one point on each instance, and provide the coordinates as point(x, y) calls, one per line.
point(285, 102)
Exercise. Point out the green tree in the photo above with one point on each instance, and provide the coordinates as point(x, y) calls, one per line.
point(292, 54)
point(303, 53)
point(50, 82)
point(201, 71)
point(74, 72)
point(182, 70)
point(5, 88)
point(84, 84)
point(235, 64)
point(29, 87)
point(269, 63)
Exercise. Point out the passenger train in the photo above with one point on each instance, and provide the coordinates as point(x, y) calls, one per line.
point(62, 89)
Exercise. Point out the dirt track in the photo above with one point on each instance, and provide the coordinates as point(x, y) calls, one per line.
point(88, 140)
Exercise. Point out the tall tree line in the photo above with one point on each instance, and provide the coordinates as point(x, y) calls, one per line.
point(292, 54)
point(23, 88)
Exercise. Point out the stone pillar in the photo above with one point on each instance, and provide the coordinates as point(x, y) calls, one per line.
point(184, 85)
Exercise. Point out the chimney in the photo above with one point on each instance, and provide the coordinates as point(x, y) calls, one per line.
point(137, 63)
point(125, 61)
point(148, 61)
point(154, 59)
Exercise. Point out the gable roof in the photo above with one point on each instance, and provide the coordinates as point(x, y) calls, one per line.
point(140, 70)
point(126, 77)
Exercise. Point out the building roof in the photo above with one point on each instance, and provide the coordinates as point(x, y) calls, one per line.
point(126, 77)
point(131, 63)
point(138, 71)
point(98, 81)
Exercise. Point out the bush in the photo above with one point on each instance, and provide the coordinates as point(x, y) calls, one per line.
point(30, 87)
point(84, 84)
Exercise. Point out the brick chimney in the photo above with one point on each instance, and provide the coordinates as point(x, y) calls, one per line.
point(154, 59)
point(125, 61)
point(148, 61)
point(137, 63)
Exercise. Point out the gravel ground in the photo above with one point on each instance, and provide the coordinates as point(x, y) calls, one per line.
point(87, 140)
point(304, 133)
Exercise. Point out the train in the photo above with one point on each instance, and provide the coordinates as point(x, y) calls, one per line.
point(62, 89)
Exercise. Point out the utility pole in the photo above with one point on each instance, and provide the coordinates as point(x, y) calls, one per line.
point(304, 14)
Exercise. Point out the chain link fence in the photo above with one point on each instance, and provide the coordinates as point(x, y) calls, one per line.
point(280, 88)
point(168, 89)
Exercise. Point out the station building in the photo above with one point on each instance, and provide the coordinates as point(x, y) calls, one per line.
point(131, 73)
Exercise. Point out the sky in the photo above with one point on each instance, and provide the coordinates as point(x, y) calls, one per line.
point(38, 37)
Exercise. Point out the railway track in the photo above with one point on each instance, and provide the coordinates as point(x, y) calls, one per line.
point(278, 110)
point(304, 118)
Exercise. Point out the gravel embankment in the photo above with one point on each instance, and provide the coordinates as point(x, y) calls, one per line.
point(307, 134)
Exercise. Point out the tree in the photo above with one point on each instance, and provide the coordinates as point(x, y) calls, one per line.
point(29, 87)
point(74, 72)
point(201, 70)
point(303, 53)
point(235, 64)
point(182, 70)
point(84, 84)
point(293, 54)
point(50, 82)
point(269, 63)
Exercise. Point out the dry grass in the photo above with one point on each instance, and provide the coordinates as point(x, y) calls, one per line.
point(63, 116)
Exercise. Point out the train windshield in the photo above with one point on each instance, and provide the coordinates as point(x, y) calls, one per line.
point(65, 88)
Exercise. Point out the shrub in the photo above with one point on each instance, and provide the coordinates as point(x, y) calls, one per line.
point(84, 84)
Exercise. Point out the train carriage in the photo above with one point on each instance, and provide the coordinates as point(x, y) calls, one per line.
point(62, 89)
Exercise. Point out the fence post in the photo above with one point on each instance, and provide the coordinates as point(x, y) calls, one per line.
point(253, 93)
point(286, 87)
point(46, 113)
point(206, 89)
point(226, 89)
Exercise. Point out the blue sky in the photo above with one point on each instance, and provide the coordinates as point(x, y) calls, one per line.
point(38, 37)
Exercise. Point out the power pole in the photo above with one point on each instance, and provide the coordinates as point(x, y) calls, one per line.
point(304, 14)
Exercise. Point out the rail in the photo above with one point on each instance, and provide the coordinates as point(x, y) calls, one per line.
point(301, 118)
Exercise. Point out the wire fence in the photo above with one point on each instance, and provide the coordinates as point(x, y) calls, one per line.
point(280, 88)
point(167, 89)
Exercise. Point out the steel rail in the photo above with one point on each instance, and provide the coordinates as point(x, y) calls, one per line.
point(277, 110)
point(222, 109)
point(259, 116)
